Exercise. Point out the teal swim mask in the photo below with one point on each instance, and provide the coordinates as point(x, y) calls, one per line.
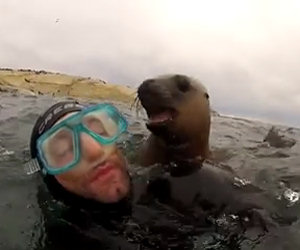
point(59, 148)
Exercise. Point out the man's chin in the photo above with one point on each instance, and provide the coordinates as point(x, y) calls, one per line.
point(112, 193)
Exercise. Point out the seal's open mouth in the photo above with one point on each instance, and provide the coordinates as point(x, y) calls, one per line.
point(161, 117)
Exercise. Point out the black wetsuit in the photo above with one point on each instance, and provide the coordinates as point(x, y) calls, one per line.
point(169, 209)
point(140, 222)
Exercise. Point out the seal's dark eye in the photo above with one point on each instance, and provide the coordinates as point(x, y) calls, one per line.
point(183, 83)
point(206, 96)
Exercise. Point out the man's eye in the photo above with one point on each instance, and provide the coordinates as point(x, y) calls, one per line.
point(96, 126)
point(64, 152)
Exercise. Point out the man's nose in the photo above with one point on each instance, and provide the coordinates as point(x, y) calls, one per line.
point(90, 148)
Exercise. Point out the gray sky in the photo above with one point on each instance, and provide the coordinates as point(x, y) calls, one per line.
point(246, 52)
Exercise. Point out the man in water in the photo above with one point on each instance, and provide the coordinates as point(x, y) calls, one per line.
point(75, 148)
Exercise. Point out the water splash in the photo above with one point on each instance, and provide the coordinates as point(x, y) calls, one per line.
point(240, 182)
point(291, 196)
point(5, 154)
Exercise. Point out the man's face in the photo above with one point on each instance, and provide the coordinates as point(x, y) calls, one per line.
point(101, 173)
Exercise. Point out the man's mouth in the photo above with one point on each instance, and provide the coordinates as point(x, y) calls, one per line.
point(101, 170)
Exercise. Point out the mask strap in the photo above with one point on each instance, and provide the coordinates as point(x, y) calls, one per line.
point(32, 166)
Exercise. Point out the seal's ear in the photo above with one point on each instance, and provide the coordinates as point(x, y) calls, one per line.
point(206, 96)
point(183, 83)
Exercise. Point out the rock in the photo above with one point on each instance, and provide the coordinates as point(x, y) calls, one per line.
point(214, 112)
point(278, 141)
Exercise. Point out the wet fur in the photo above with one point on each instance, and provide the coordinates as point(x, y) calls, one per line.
point(188, 135)
point(184, 144)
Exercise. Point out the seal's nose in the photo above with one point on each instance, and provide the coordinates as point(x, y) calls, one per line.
point(147, 93)
point(145, 88)
point(154, 95)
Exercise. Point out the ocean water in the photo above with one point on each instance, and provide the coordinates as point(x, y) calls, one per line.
point(238, 143)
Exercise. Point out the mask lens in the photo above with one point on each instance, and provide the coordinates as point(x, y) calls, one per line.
point(59, 148)
point(102, 122)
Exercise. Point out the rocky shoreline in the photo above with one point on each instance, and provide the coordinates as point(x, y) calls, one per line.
point(33, 82)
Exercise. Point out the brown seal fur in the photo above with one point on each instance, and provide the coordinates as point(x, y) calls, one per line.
point(178, 109)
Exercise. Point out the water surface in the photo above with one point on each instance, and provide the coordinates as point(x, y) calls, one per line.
point(238, 143)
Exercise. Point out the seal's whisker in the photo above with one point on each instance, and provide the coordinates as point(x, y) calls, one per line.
point(134, 102)
point(138, 107)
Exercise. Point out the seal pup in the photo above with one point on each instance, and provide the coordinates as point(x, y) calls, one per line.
point(178, 109)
